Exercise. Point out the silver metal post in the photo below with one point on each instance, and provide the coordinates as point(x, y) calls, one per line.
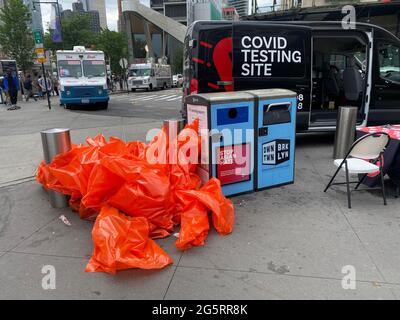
point(55, 141)
point(173, 126)
point(345, 131)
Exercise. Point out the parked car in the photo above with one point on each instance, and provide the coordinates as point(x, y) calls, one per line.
point(177, 80)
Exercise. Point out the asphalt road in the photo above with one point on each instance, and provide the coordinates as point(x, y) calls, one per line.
point(158, 104)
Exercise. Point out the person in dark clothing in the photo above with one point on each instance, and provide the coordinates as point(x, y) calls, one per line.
point(29, 88)
point(11, 87)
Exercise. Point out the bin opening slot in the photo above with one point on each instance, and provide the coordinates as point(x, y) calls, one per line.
point(232, 115)
point(276, 113)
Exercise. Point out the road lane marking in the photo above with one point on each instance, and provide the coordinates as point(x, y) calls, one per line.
point(175, 98)
point(167, 97)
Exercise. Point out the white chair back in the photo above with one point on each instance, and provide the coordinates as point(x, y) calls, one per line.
point(369, 147)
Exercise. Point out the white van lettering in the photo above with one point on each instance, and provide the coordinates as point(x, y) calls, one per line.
point(243, 44)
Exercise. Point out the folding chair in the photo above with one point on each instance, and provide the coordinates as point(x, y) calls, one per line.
point(369, 147)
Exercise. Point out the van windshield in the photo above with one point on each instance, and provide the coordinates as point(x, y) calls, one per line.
point(94, 68)
point(70, 68)
point(139, 72)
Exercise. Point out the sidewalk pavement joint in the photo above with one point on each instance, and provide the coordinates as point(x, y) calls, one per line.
point(173, 274)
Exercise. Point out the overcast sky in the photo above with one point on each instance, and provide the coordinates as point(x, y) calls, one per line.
point(112, 10)
point(111, 7)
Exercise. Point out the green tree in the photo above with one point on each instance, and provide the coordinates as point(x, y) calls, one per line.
point(16, 39)
point(115, 47)
point(177, 61)
point(75, 32)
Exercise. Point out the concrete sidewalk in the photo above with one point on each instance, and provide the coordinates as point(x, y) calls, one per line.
point(288, 243)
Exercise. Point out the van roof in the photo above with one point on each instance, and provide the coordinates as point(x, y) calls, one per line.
point(361, 26)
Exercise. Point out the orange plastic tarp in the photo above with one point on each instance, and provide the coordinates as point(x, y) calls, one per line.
point(135, 197)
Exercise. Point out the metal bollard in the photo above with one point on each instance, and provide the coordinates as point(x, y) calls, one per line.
point(173, 127)
point(345, 131)
point(55, 141)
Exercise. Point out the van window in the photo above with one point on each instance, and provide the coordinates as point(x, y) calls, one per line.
point(70, 68)
point(389, 62)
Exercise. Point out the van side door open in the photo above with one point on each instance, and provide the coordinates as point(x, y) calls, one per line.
point(274, 56)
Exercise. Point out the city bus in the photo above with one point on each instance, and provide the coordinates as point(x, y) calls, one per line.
point(83, 78)
point(325, 64)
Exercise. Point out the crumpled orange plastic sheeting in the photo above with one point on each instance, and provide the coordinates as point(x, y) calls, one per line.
point(138, 198)
point(122, 242)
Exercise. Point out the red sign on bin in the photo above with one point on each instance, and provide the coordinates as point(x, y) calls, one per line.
point(233, 163)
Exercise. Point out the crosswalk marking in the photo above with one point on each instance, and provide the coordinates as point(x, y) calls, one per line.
point(174, 98)
point(144, 98)
point(166, 96)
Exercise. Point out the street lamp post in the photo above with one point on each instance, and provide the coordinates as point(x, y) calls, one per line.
point(62, 43)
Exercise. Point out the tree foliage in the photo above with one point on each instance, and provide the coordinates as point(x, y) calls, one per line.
point(16, 39)
point(177, 61)
point(115, 47)
point(75, 32)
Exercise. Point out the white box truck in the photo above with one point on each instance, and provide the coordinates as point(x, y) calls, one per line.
point(149, 76)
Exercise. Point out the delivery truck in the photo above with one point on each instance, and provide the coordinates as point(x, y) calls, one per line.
point(149, 76)
point(326, 64)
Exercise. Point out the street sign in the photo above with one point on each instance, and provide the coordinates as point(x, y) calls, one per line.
point(123, 63)
point(41, 59)
point(37, 35)
point(40, 55)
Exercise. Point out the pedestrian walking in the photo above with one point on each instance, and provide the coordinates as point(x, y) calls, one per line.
point(55, 83)
point(42, 85)
point(29, 88)
point(11, 87)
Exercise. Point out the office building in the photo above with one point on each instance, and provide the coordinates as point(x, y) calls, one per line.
point(120, 16)
point(78, 8)
point(175, 9)
point(100, 7)
point(241, 6)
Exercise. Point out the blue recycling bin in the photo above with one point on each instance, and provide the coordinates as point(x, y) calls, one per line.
point(275, 131)
point(228, 149)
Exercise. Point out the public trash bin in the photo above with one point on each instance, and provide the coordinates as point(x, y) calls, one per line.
point(275, 131)
point(345, 131)
point(228, 149)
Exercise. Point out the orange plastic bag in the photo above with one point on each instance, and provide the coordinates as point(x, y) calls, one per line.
point(122, 242)
point(211, 196)
point(138, 198)
point(194, 226)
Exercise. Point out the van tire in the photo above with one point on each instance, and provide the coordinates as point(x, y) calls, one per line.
point(133, 90)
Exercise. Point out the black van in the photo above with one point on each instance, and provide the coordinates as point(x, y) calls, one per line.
point(328, 66)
